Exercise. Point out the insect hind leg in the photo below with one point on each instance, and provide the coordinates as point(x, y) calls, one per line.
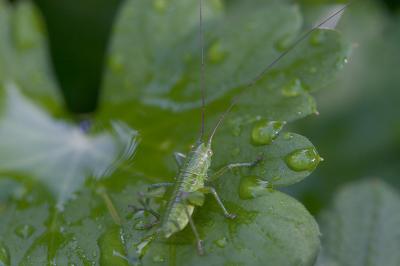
point(199, 241)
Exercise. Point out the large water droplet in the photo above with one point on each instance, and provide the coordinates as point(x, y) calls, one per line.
point(160, 5)
point(303, 159)
point(287, 136)
point(283, 43)
point(4, 255)
point(158, 258)
point(221, 243)
point(293, 88)
point(140, 225)
point(317, 37)
point(264, 131)
point(24, 231)
point(216, 53)
point(252, 186)
point(341, 62)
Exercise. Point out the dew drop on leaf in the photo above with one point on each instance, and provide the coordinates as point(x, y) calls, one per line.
point(24, 231)
point(252, 186)
point(221, 243)
point(158, 258)
point(264, 131)
point(341, 62)
point(313, 70)
point(216, 53)
point(303, 159)
point(4, 255)
point(287, 136)
point(283, 43)
point(293, 88)
point(140, 225)
point(317, 37)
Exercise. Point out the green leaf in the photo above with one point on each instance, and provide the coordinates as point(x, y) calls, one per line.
point(24, 52)
point(152, 73)
point(361, 228)
point(266, 231)
point(59, 154)
point(171, 80)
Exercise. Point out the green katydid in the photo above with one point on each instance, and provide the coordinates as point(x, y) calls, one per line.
point(190, 185)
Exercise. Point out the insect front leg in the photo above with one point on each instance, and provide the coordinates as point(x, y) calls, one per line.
point(231, 166)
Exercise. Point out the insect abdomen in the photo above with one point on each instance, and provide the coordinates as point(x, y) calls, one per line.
point(191, 178)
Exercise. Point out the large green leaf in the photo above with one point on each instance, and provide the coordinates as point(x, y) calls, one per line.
point(152, 73)
point(362, 228)
point(267, 230)
point(166, 73)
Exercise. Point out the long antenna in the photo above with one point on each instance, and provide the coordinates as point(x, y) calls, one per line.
point(202, 72)
point(274, 62)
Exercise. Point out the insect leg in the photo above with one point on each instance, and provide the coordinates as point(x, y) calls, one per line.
point(231, 166)
point(219, 201)
point(200, 248)
point(179, 158)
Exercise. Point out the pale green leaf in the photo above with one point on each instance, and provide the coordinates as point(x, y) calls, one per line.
point(362, 226)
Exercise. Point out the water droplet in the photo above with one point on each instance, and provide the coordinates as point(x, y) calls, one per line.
point(341, 62)
point(221, 243)
point(24, 231)
point(283, 43)
point(252, 186)
point(264, 131)
point(303, 159)
point(140, 225)
point(4, 255)
point(160, 5)
point(158, 258)
point(116, 63)
point(287, 136)
point(216, 53)
point(293, 88)
point(317, 37)
point(313, 70)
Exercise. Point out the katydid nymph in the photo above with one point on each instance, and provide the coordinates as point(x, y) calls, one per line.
point(190, 185)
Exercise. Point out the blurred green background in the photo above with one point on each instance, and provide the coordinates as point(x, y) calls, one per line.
point(78, 35)
point(358, 131)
